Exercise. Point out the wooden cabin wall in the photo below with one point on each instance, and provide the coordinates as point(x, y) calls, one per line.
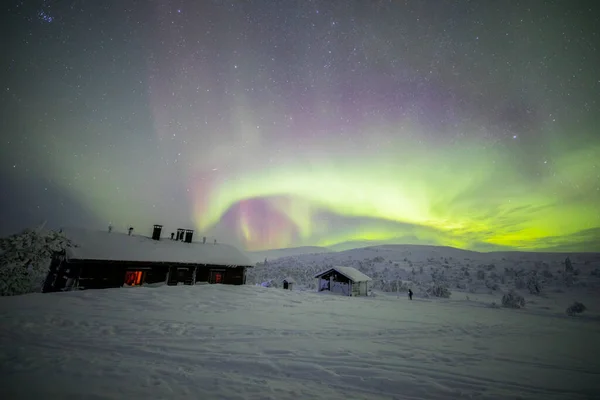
point(231, 275)
point(100, 275)
point(55, 280)
point(156, 275)
point(202, 273)
point(178, 274)
point(91, 274)
point(234, 276)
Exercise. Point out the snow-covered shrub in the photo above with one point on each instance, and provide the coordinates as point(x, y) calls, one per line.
point(491, 285)
point(575, 308)
point(513, 300)
point(25, 258)
point(520, 283)
point(460, 285)
point(568, 279)
point(493, 304)
point(438, 275)
point(437, 290)
point(568, 265)
point(534, 285)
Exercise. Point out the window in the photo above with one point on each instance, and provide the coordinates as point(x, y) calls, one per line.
point(133, 278)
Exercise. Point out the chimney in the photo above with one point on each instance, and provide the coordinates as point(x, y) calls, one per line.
point(180, 234)
point(156, 232)
point(188, 235)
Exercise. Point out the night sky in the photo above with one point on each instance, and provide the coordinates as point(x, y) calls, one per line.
point(269, 124)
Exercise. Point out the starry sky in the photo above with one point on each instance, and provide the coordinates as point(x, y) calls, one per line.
point(281, 123)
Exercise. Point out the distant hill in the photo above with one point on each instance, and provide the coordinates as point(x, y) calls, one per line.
point(420, 251)
point(259, 256)
point(356, 244)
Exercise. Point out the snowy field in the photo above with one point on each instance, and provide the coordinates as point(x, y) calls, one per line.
point(249, 342)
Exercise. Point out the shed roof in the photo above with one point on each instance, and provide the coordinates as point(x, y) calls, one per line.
point(115, 246)
point(289, 280)
point(351, 273)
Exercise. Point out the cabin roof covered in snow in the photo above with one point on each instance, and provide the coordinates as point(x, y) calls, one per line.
point(351, 273)
point(116, 246)
point(289, 280)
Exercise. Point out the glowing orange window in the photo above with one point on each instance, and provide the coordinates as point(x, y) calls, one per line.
point(133, 278)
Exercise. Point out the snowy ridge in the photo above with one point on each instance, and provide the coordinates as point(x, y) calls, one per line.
point(259, 256)
point(541, 278)
point(98, 245)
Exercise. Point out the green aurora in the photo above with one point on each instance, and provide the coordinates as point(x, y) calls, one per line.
point(469, 197)
point(283, 124)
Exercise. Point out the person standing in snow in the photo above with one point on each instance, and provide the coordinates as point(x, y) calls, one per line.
point(410, 293)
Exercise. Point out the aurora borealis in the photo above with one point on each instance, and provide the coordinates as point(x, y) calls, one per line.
point(270, 124)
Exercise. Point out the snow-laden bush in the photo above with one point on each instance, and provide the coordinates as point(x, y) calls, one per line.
point(568, 279)
point(437, 290)
point(438, 275)
point(568, 265)
point(25, 258)
point(520, 283)
point(513, 300)
point(575, 308)
point(493, 304)
point(534, 285)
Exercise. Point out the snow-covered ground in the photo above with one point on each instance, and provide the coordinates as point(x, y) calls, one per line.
point(249, 342)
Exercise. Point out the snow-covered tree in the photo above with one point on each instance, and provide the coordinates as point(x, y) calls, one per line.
point(25, 258)
point(568, 265)
point(439, 290)
point(513, 300)
point(575, 308)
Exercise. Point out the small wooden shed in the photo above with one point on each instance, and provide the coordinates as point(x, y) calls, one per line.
point(288, 283)
point(346, 281)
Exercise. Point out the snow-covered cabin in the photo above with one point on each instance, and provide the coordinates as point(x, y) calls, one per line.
point(347, 281)
point(110, 259)
point(288, 283)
